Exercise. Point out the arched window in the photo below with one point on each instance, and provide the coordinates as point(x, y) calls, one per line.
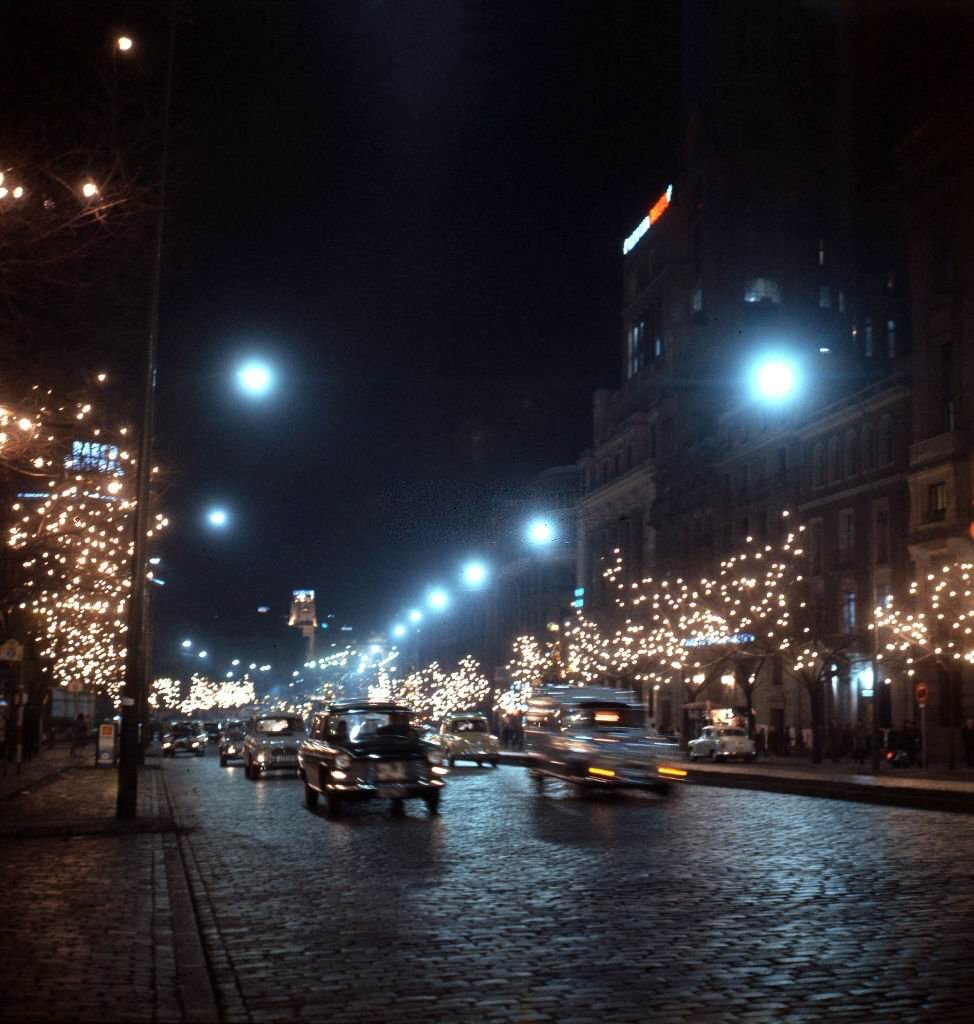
point(835, 460)
point(885, 441)
point(868, 447)
point(818, 465)
point(851, 453)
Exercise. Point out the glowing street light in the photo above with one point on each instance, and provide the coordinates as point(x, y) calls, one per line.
point(540, 532)
point(124, 43)
point(203, 654)
point(438, 599)
point(186, 643)
point(474, 574)
point(415, 616)
point(89, 190)
point(775, 378)
point(255, 378)
point(398, 630)
point(217, 518)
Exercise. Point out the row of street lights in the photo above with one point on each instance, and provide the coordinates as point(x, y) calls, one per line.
point(539, 532)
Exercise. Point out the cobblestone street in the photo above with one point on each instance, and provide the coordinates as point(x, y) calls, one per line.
point(720, 904)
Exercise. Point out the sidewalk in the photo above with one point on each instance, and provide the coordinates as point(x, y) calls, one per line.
point(98, 921)
point(51, 761)
point(924, 789)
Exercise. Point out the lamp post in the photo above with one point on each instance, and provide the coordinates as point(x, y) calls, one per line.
point(134, 691)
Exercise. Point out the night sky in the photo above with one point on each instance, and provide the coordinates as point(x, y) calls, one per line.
point(415, 208)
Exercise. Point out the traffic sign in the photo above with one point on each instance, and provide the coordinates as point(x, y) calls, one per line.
point(921, 694)
point(11, 650)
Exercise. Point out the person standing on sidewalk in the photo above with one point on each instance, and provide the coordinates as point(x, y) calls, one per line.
point(79, 733)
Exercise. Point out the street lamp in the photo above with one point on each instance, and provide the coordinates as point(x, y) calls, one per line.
point(398, 630)
point(124, 43)
point(415, 616)
point(540, 532)
point(255, 378)
point(474, 574)
point(217, 518)
point(438, 599)
point(775, 377)
point(187, 643)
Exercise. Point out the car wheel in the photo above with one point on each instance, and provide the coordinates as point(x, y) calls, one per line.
point(310, 797)
point(223, 761)
point(691, 755)
point(480, 764)
point(451, 761)
point(333, 804)
point(433, 803)
point(494, 763)
point(253, 772)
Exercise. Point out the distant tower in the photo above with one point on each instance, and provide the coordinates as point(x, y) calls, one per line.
point(303, 617)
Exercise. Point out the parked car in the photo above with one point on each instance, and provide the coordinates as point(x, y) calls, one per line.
point(271, 743)
point(590, 736)
point(359, 750)
point(183, 738)
point(722, 742)
point(465, 736)
point(232, 742)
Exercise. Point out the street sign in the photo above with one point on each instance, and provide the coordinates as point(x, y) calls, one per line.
point(921, 694)
point(11, 650)
point(105, 752)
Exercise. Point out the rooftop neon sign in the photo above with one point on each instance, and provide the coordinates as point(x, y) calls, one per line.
point(655, 212)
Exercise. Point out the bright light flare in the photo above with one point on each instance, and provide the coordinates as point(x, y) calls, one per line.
point(255, 378)
point(474, 574)
point(124, 43)
point(540, 532)
point(217, 517)
point(438, 599)
point(415, 615)
point(398, 630)
point(89, 190)
point(775, 379)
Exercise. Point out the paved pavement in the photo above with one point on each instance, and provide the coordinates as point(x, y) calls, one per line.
point(718, 904)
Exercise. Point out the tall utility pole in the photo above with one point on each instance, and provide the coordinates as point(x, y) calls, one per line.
point(134, 692)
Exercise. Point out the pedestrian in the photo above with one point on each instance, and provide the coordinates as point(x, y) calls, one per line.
point(859, 743)
point(967, 738)
point(79, 733)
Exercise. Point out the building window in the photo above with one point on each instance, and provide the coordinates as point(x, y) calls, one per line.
point(847, 611)
point(818, 465)
point(634, 349)
point(696, 300)
point(847, 534)
point(840, 300)
point(657, 346)
point(882, 536)
point(815, 554)
point(824, 296)
point(891, 282)
point(884, 595)
point(835, 460)
point(891, 339)
point(851, 453)
point(937, 502)
point(885, 441)
point(868, 447)
point(948, 385)
point(867, 337)
point(821, 252)
point(763, 289)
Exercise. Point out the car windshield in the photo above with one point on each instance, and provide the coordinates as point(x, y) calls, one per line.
point(359, 726)
point(184, 729)
point(282, 725)
point(733, 732)
point(468, 725)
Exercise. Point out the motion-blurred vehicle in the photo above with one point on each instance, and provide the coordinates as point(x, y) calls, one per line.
point(232, 742)
point(183, 738)
point(465, 736)
point(721, 743)
point(271, 743)
point(359, 750)
point(591, 736)
point(212, 731)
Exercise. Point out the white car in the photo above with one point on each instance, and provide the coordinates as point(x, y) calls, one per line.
point(722, 742)
point(465, 736)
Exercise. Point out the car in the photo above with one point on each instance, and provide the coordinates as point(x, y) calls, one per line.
point(183, 738)
point(271, 743)
point(593, 737)
point(212, 730)
point(365, 750)
point(232, 742)
point(465, 736)
point(722, 742)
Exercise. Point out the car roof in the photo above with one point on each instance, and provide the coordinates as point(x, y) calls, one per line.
point(464, 714)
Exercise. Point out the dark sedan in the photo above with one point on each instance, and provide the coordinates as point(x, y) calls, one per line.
point(184, 738)
point(368, 751)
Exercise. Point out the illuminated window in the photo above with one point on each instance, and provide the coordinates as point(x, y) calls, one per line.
point(696, 300)
point(821, 252)
point(840, 299)
point(847, 611)
point(763, 289)
point(937, 502)
point(657, 346)
point(867, 337)
point(825, 296)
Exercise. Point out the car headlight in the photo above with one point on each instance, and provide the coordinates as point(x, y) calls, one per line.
point(231, 750)
point(196, 743)
point(343, 761)
point(166, 745)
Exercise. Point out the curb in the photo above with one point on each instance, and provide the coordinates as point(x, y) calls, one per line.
point(194, 979)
